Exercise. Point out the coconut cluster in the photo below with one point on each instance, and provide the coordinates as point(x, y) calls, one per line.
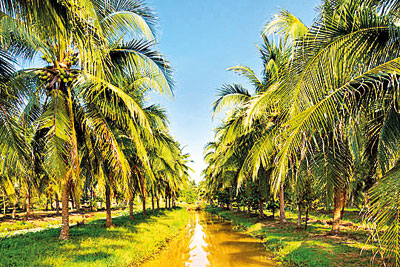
point(58, 71)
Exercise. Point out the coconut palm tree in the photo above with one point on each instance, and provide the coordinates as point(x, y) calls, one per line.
point(344, 71)
point(261, 129)
point(87, 86)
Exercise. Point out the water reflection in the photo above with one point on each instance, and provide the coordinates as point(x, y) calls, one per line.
point(210, 241)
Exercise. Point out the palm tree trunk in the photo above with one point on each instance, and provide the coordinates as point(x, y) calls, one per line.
point(57, 205)
point(152, 202)
point(158, 202)
point(167, 203)
point(282, 217)
point(108, 206)
point(47, 203)
point(261, 208)
point(248, 208)
point(64, 235)
point(305, 226)
point(230, 198)
point(72, 199)
point(77, 204)
point(337, 209)
point(51, 202)
point(352, 200)
point(28, 204)
point(15, 206)
point(4, 204)
point(298, 217)
point(91, 198)
point(131, 208)
point(344, 203)
point(144, 204)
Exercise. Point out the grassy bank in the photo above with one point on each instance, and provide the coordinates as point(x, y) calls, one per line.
point(126, 243)
point(314, 247)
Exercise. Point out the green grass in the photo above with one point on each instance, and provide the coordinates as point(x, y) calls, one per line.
point(22, 223)
point(314, 247)
point(126, 243)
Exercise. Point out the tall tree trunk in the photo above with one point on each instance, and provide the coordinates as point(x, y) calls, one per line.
point(298, 217)
point(28, 204)
point(4, 204)
point(352, 200)
point(108, 205)
point(15, 204)
point(131, 208)
point(344, 203)
point(47, 203)
point(282, 217)
point(144, 204)
point(337, 209)
point(166, 201)
point(144, 193)
point(248, 208)
point(51, 202)
point(64, 234)
point(158, 202)
point(327, 204)
point(305, 225)
point(77, 204)
point(72, 199)
point(91, 198)
point(57, 205)
point(230, 198)
point(261, 208)
point(152, 202)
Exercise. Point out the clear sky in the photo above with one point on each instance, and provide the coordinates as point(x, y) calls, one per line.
point(202, 38)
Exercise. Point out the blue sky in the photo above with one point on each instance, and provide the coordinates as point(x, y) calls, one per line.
point(202, 38)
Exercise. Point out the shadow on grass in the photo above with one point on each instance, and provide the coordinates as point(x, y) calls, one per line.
point(89, 243)
point(91, 257)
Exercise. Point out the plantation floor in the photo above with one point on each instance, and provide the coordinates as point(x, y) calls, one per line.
point(49, 219)
point(128, 242)
point(314, 247)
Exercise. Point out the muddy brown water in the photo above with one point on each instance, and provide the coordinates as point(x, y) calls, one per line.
point(208, 240)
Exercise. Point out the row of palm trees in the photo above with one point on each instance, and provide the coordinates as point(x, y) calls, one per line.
point(78, 120)
point(322, 124)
